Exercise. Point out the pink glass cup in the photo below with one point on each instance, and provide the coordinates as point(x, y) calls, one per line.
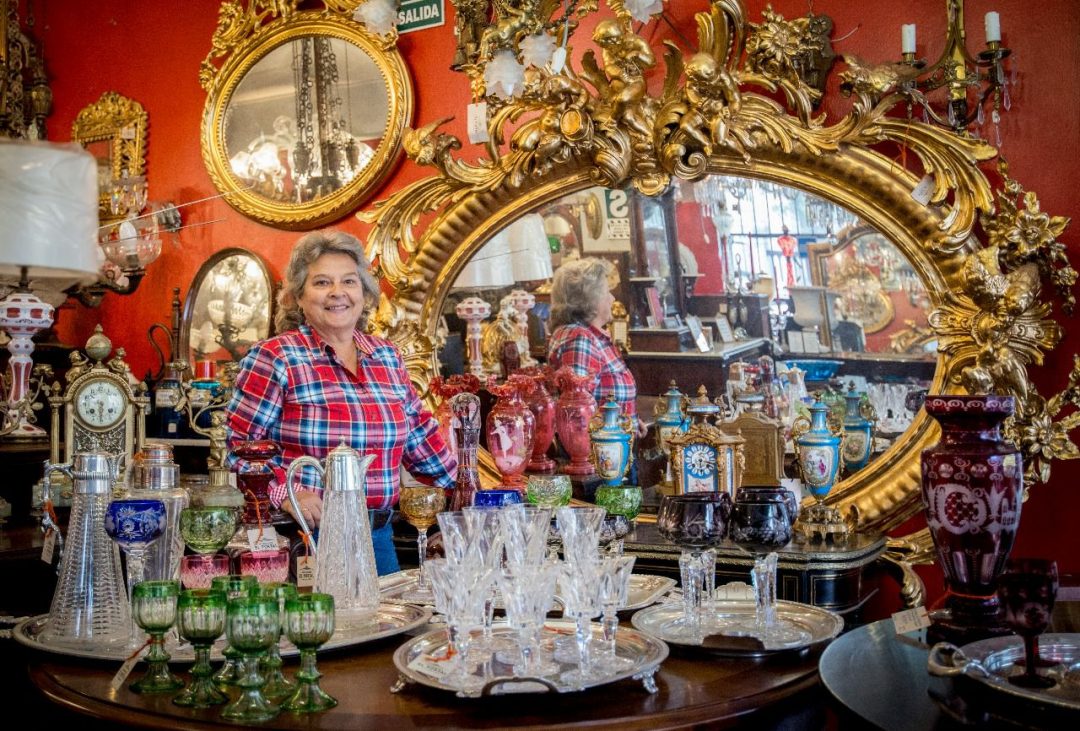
point(266, 566)
point(197, 571)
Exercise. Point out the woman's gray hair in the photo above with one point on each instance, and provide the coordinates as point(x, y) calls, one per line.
point(577, 289)
point(309, 248)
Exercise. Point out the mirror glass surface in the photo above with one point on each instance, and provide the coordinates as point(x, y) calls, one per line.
point(306, 119)
point(228, 307)
point(841, 301)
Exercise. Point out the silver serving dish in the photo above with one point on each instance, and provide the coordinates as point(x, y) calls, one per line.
point(418, 661)
point(389, 620)
point(991, 662)
point(821, 626)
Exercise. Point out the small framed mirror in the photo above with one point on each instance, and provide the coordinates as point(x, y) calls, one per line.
point(113, 130)
point(305, 117)
point(228, 308)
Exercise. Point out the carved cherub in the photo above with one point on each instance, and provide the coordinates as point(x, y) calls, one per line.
point(625, 58)
point(710, 94)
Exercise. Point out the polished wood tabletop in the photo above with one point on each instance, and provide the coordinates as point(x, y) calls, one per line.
point(695, 690)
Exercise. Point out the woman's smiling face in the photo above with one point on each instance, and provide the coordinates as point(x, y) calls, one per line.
point(333, 296)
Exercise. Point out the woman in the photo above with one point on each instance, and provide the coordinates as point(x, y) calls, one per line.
point(581, 302)
point(322, 380)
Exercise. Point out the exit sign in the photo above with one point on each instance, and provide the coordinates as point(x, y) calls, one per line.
point(419, 14)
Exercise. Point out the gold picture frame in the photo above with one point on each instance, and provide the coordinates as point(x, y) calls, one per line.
point(113, 129)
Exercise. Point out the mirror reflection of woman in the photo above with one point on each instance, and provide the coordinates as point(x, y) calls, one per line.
point(581, 301)
point(323, 380)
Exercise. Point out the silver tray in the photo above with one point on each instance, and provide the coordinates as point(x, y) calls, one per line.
point(991, 662)
point(645, 589)
point(821, 624)
point(643, 650)
point(389, 620)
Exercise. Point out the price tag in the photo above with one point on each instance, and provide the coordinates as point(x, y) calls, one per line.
point(49, 547)
point(434, 667)
point(558, 59)
point(924, 190)
point(125, 670)
point(911, 620)
point(477, 122)
point(305, 572)
point(268, 541)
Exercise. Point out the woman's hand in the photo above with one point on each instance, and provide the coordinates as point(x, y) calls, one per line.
point(642, 429)
point(310, 507)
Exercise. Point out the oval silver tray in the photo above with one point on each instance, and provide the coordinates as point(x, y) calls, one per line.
point(821, 624)
point(991, 662)
point(389, 620)
point(643, 650)
point(645, 589)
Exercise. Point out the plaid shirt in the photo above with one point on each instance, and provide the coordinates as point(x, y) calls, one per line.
point(293, 390)
point(587, 349)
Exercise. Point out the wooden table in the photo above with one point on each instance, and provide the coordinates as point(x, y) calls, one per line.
point(694, 690)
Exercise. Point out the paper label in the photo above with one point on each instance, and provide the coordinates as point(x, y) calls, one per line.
point(558, 60)
point(432, 666)
point(305, 572)
point(49, 547)
point(477, 123)
point(166, 397)
point(268, 541)
point(924, 190)
point(125, 670)
point(911, 620)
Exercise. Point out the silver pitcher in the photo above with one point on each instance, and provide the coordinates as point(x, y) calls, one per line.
point(90, 605)
point(344, 555)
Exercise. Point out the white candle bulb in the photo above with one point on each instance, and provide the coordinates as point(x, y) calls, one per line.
point(907, 38)
point(993, 27)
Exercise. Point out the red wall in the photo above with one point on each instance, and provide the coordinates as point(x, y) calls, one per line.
point(151, 51)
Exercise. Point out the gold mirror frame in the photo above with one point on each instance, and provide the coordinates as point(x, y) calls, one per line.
point(711, 117)
point(244, 36)
point(121, 122)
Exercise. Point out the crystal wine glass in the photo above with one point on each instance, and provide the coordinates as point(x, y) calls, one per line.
point(232, 586)
point(253, 625)
point(420, 505)
point(1027, 588)
point(153, 604)
point(135, 524)
point(549, 491)
point(496, 498)
point(528, 595)
point(579, 590)
point(201, 620)
point(309, 623)
point(207, 530)
point(615, 573)
point(277, 687)
point(268, 567)
point(198, 570)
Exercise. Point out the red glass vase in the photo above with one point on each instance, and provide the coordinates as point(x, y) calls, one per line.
point(542, 406)
point(446, 390)
point(573, 412)
point(972, 487)
point(509, 430)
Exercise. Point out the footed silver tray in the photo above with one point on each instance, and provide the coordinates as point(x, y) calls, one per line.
point(820, 624)
point(389, 620)
point(422, 660)
point(991, 662)
point(645, 589)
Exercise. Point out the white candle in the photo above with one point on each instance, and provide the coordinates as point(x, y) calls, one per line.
point(993, 27)
point(907, 38)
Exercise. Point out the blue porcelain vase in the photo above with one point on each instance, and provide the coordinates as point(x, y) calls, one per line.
point(612, 440)
point(858, 431)
point(819, 452)
point(671, 419)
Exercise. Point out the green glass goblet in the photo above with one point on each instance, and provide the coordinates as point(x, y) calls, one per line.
point(624, 500)
point(549, 491)
point(208, 530)
point(232, 586)
point(277, 687)
point(309, 623)
point(153, 604)
point(253, 625)
point(201, 620)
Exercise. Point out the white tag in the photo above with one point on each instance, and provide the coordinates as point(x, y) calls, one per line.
point(305, 572)
point(125, 670)
point(127, 133)
point(477, 122)
point(49, 547)
point(432, 667)
point(924, 190)
point(558, 60)
point(267, 542)
point(911, 620)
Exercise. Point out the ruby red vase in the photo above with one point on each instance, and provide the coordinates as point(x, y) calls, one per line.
point(972, 487)
point(573, 412)
point(542, 407)
point(509, 430)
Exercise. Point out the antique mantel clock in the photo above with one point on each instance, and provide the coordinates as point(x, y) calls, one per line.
point(104, 408)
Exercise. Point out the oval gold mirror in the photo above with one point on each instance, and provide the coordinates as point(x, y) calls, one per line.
point(228, 308)
point(304, 119)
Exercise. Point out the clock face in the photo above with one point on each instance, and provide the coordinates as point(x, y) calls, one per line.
point(100, 404)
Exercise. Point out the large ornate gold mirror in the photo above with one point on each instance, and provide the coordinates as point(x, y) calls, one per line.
point(975, 257)
point(305, 116)
point(113, 130)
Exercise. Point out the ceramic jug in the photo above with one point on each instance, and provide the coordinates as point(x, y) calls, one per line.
point(344, 556)
point(90, 607)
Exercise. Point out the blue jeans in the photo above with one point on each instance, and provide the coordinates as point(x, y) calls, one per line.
point(385, 556)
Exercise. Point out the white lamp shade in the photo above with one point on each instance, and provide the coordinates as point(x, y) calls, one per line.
point(48, 211)
point(490, 267)
point(556, 225)
point(530, 253)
